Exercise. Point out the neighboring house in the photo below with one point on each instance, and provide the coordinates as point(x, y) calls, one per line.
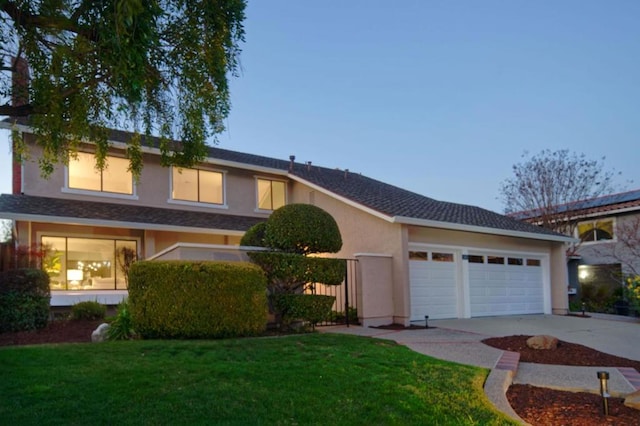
point(608, 229)
point(416, 256)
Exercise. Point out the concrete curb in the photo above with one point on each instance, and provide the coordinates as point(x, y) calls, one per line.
point(495, 388)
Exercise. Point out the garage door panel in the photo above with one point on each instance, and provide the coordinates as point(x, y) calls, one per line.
point(497, 289)
point(433, 289)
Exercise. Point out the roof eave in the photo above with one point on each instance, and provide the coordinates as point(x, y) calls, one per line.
point(156, 151)
point(482, 229)
point(115, 224)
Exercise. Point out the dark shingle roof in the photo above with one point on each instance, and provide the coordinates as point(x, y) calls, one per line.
point(25, 205)
point(386, 199)
point(393, 201)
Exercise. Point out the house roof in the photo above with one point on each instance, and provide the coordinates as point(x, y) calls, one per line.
point(606, 204)
point(57, 210)
point(389, 202)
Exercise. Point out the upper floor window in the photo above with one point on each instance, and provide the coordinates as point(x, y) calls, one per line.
point(271, 194)
point(115, 178)
point(599, 230)
point(200, 186)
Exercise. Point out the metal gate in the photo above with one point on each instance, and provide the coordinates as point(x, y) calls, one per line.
point(345, 309)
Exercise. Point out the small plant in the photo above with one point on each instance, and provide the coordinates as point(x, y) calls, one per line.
point(89, 310)
point(633, 291)
point(121, 328)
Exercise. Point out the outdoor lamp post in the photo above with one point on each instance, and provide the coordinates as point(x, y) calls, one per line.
point(426, 321)
point(604, 390)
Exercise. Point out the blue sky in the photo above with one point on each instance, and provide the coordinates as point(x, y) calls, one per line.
point(438, 97)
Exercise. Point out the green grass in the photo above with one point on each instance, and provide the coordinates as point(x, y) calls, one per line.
point(324, 379)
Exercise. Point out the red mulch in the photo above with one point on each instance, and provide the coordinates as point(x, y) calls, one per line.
point(542, 406)
point(538, 406)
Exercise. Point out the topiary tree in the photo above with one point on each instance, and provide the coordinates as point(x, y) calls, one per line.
point(291, 234)
point(302, 229)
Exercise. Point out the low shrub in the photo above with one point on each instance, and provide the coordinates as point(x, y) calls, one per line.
point(121, 327)
point(24, 299)
point(185, 300)
point(89, 310)
point(312, 308)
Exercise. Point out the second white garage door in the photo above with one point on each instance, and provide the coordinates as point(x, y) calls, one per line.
point(505, 285)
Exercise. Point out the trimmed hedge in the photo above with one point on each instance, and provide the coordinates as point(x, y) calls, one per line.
point(88, 310)
point(24, 299)
point(187, 300)
point(312, 308)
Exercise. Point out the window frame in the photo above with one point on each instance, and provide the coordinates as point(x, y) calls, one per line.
point(594, 222)
point(271, 181)
point(112, 238)
point(199, 203)
point(67, 189)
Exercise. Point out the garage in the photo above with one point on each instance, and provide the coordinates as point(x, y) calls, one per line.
point(433, 277)
point(505, 284)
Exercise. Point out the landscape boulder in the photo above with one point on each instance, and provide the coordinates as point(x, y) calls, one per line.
point(633, 400)
point(100, 333)
point(542, 342)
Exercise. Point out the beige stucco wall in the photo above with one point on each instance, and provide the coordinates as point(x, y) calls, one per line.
point(363, 232)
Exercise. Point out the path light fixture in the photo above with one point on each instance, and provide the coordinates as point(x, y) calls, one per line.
point(604, 390)
point(584, 308)
point(426, 321)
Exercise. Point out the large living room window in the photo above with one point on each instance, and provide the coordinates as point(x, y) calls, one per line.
point(198, 186)
point(115, 178)
point(271, 194)
point(86, 263)
point(598, 230)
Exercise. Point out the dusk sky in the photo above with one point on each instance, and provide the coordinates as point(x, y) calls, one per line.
point(437, 97)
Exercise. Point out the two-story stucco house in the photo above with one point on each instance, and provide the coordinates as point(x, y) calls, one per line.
point(416, 256)
point(608, 229)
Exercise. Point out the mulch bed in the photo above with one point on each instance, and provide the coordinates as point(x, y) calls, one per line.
point(543, 406)
point(538, 406)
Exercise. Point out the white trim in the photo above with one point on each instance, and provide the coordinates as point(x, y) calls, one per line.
point(342, 199)
point(70, 298)
point(101, 194)
point(198, 204)
point(204, 245)
point(118, 224)
point(481, 229)
point(373, 255)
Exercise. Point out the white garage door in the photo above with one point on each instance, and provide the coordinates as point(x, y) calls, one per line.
point(505, 285)
point(433, 281)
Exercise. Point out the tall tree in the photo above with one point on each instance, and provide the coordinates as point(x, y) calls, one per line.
point(546, 188)
point(156, 67)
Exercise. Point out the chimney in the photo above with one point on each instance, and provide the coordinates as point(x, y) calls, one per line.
point(292, 158)
point(308, 166)
point(19, 97)
point(19, 82)
point(346, 173)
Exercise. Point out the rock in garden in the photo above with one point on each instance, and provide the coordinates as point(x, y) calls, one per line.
point(100, 333)
point(542, 342)
point(633, 400)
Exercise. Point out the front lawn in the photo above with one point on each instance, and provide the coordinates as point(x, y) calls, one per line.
point(327, 379)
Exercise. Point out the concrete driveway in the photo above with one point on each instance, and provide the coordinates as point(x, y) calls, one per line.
point(607, 333)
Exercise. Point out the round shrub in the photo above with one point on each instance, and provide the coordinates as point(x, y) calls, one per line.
point(24, 299)
point(302, 229)
point(254, 237)
point(89, 310)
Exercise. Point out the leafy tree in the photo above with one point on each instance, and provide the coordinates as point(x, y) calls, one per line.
point(292, 233)
point(545, 187)
point(154, 66)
